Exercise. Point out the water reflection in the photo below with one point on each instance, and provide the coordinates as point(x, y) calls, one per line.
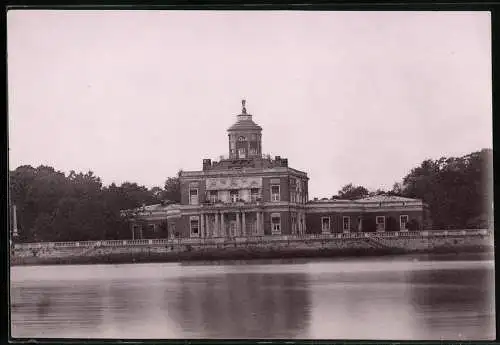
point(66, 309)
point(243, 305)
point(454, 304)
point(389, 298)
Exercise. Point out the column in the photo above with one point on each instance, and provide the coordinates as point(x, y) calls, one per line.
point(262, 224)
point(202, 225)
point(243, 225)
point(216, 230)
point(257, 226)
point(237, 224)
point(208, 225)
point(223, 226)
point(14, 221)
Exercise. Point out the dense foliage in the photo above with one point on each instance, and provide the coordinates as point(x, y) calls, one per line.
point(52, 206)
point(458, 191)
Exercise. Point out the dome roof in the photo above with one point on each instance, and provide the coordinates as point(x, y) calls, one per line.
point(244, 123)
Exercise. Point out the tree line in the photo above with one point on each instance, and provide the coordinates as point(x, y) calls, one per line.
point(53, 206)
point(457, 190)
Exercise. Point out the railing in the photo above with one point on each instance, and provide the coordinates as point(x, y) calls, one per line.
point(254, 238)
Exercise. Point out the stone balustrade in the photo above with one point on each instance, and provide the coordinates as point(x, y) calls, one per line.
point(254, 239)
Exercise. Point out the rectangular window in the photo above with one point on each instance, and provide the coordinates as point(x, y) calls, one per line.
point(346, 221)
point(234, 195)
point(193, 196)
point(403, 222)
point(380, 223)
point(151, 228)
point(276, 224)
point(213, 196)
point(294, 223)
point(253, 151)
point(325, 224)
point(195, 228)
point(275, 193)
point(254, 194)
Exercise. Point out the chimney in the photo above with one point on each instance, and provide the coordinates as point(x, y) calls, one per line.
point(207, 163)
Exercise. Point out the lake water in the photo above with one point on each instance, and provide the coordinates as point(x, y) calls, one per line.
point(399, 298)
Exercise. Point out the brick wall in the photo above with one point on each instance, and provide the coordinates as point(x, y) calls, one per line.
point(313, 220)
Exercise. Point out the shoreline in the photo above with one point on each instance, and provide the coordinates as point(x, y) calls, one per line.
point(238, 254)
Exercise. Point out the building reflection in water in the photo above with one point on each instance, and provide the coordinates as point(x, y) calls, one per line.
point(56, 311)
point(242, 305)
point(455, 304)
point(367, 305)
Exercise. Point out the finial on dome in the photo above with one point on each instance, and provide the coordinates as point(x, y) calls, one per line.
point(243, 109)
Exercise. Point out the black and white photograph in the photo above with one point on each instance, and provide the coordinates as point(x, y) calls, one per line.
point(250, 174)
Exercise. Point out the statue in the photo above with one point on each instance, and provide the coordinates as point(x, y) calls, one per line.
point(243, 110)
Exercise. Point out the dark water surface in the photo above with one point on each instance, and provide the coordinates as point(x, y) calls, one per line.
point(409, 297)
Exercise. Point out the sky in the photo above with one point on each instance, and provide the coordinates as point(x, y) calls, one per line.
point(348, 97)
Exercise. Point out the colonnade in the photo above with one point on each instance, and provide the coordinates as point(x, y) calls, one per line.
point(246, 224)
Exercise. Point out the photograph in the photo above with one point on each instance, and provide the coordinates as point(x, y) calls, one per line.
point(250, 175)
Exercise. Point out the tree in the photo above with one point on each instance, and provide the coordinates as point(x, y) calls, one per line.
point(458, 190)
point(172, 189)
point(350, 192)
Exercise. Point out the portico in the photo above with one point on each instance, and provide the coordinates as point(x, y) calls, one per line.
point(230, 223)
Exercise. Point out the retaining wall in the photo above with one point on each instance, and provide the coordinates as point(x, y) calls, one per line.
point(355, 244)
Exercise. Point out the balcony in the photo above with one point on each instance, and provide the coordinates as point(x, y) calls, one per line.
point(235, 203)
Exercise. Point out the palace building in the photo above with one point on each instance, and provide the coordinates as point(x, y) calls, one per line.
point(248, 193)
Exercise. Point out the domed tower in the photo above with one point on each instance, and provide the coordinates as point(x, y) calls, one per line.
point(245, 137)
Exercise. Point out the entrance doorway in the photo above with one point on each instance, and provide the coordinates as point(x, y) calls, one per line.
point(232, 228)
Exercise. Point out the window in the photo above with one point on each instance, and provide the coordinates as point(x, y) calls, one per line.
point(233, 195)
point(195, 228)
point(254, 137)
point(254, 194)
point(213, 196)
point(380, 223)
point(403, 222)
point(241, 153)
point(253, 151)
point(193, 196)
point(233, 145)
point(276, 224)
point(151, 228)
point(275, 193)
point(294, 223)
point(325, 224)
point(346, 223)
point(136, 232)
point(242, 138)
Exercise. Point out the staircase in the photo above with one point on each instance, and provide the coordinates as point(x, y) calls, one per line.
point(376, 242)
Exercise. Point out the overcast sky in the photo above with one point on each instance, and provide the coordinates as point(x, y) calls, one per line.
point(357, 97)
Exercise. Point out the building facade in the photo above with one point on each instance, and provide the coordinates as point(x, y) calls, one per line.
point(247, 193)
